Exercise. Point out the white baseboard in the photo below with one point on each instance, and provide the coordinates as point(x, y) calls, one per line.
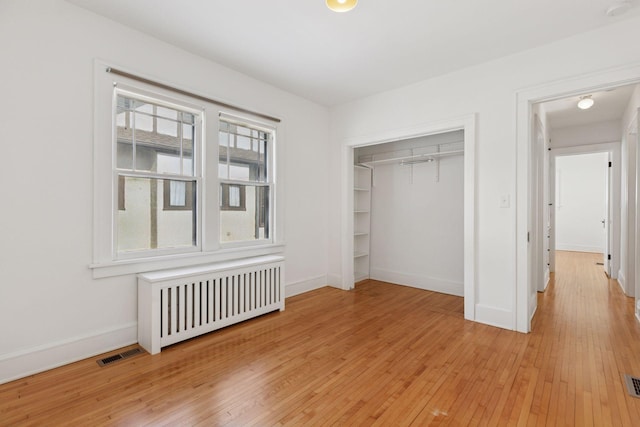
point(27, 362)
point(334, 281)
point(420, 282)
point(494, 316)
point(622, 281)
point(302, 286)
point(578, 248)
point(533, 312)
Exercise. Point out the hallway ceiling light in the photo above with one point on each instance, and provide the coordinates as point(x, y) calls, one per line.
point(341, 5)
point(585, 102)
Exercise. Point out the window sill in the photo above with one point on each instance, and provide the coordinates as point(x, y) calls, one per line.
point(124, 267)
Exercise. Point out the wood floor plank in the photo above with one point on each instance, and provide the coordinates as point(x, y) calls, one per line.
point(381, 354)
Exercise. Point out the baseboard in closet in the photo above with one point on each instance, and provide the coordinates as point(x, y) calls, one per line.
point(420, 282)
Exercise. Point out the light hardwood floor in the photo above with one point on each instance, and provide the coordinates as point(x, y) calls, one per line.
point(379, 355)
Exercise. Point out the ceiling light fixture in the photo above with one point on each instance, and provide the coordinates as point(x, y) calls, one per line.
point(585, 102)
point(341, 5)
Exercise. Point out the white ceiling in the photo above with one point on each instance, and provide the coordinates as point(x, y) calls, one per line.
point(331, 58)
point(608, 105)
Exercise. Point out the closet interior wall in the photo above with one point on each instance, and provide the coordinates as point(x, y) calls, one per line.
point(416, 214)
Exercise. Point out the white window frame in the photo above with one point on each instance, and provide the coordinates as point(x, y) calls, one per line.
point(270, 182)
point(161, 100)
point(106, 262)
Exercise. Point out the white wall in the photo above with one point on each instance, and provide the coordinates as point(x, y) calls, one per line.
point(51, 308)
point(581, 188)
point(488, 90)
point(592, 133)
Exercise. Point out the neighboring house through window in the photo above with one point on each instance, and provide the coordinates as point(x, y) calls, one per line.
point(178, 174)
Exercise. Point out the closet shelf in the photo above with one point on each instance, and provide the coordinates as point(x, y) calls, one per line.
point(361, 189)
point(360, 234)
point(360, 212)
point(360, 254)
point(416, 158)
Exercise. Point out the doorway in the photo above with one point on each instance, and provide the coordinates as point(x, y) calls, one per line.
point(580, 194)
point(528, 205)
point(411, 212)
point(467, 125)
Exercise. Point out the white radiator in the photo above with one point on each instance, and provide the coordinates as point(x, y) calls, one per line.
point(175, 305)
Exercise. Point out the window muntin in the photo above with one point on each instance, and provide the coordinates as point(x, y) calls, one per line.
point(154, 142)
point(243, 164)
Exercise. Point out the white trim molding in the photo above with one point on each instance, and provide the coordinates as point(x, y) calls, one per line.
point(421, 282)
point(307, 285)
point(31, 361)
point(494, 316)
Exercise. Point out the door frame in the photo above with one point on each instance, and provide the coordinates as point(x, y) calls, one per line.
point(526, 207)
point(612, 200)
point(465, 123)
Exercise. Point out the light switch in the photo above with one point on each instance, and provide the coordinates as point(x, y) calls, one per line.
point(505, 201)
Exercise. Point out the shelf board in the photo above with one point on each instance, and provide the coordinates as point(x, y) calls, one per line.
point(360, 212)
point(360, 254)
point(360, 234)
point(361, 189)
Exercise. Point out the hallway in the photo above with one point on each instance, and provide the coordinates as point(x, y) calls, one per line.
point(585, 337)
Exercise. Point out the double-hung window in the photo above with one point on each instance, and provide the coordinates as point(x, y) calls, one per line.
point(155, 157)
point(180, 180)
point(245, 181)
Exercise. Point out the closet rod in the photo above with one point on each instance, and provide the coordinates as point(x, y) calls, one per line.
point(416, 158)
point(186, 93)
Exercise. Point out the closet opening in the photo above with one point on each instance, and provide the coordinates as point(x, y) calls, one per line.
point(409, 212)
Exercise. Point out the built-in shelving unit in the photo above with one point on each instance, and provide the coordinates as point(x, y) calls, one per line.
point(361, 221)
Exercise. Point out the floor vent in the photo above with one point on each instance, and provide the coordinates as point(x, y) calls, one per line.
point(124, 355)
point(633, 385)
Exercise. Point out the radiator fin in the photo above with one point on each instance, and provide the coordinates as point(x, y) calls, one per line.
point(195, 304)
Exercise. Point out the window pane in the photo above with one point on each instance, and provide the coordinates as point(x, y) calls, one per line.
point(144, 224)
point(239, 172)
point(245, 146)
point(223, 138)
point(168, 164)
point(167, 127)
point(146, 130)
point(143, 122)
point(124, 132)
point(262, 162)
point(168, 113)
point(188, 132)
point(243, 143)
point(249, 224)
